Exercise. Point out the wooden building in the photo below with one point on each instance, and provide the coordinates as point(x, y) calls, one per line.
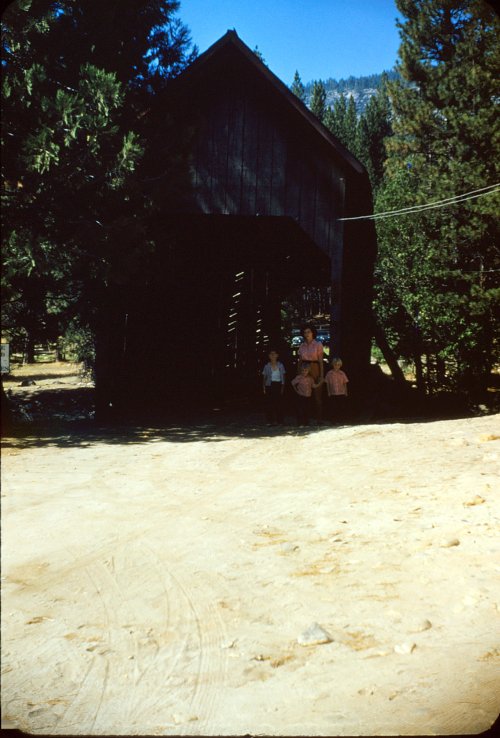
point(269, 185)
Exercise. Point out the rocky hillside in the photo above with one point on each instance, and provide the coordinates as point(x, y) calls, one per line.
point(361, 88)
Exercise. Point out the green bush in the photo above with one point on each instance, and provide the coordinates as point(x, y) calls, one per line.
point(78, 345)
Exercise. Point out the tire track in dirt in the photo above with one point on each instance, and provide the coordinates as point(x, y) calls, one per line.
point(161, 659)
point(84, 709)
point(158, 644)
point(67, 720)
point(133, 660)
point(93, 687)
point(108, 631)
point(205, 624)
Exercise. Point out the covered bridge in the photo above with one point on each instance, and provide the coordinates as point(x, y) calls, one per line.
point(269, 185)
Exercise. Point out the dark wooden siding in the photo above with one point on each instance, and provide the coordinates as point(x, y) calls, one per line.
point(249, 160)
point(269, 185)
point(258, 154)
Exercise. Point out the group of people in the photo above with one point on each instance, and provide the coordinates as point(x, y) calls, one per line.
point(307, 385)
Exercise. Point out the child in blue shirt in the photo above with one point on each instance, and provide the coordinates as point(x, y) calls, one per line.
point(273, 386)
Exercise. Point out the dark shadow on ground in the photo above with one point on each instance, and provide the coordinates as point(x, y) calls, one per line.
point(210, 428)
point(43, 417)
point(84, 434)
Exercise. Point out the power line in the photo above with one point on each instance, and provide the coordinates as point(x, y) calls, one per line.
point(447, 200)
point(472, 195)
point(432, 206)
point(426, 206)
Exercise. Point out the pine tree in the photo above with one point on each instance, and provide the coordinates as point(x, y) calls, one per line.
point(74, 151)
point(298, 88)
point(335, 118)
point(318, 100)
point(258, 53)
point(446, 142)
point(350, 127)
point(328, 120)
point(141, 41)
point(342, 121)
point(374, 128)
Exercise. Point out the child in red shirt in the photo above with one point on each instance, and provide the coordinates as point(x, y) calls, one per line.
point(336, 386)
point(303, 384)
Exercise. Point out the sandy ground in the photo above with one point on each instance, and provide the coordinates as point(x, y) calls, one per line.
point(167, 581)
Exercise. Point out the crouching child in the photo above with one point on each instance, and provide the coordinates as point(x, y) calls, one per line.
point(303, 385)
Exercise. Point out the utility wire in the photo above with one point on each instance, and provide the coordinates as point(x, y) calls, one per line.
point(456, 201)
point(437, 202)
point(472, 195)
point(425, 206)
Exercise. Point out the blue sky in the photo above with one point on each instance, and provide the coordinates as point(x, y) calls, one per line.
point(319, 38)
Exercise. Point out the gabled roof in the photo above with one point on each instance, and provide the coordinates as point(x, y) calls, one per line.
point(233, 41)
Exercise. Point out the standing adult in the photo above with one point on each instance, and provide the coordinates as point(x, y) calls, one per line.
point(311, 351)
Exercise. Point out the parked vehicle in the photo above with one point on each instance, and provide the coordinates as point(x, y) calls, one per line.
point(297, 340)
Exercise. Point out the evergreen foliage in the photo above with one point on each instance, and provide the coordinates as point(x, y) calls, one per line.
point(350, 126)
point(86, 164)
point(298, 88)
point(258, 53)
point(336, 119)
point(354, 84)
point(318, 101)
point(373, 130)
point(361, 88)
point(437, 291)
point(76, 79)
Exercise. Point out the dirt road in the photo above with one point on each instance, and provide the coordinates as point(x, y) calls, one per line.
point(180, 581)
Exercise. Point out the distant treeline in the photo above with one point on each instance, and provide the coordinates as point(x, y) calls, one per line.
point(353, 84)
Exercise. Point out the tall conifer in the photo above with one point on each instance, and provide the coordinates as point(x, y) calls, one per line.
point(337, 119)
point(374, 128)
point(351, 126)
point(76, 80)
point(318, 100)
point(297, 87)
point(446, 142)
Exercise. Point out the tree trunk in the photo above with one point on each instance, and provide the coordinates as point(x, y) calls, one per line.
point(6, 417)
point(417, 355)
point(440, 371)
point(428, 368)
point(419, 372)
point(29, 350)
point(389, 355)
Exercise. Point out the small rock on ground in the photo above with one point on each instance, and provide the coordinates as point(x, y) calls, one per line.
point(314, 635)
